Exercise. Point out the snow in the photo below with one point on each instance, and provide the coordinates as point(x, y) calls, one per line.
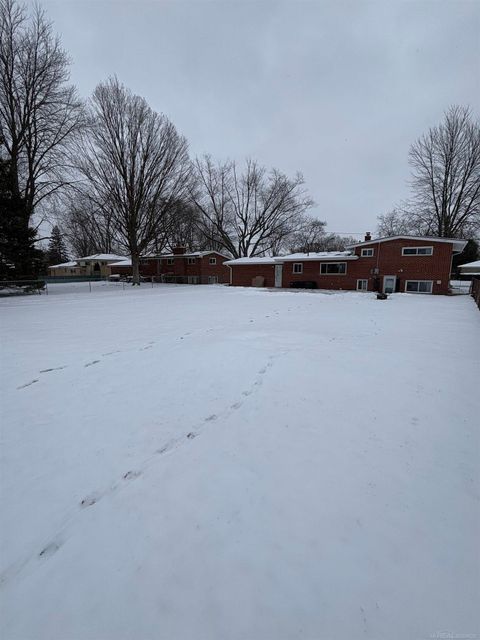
point(204, 462)
point(321, 255)
point(64, 264)
point(458, 245)
point(471, 265)
point(259, 260)
point(104, 256)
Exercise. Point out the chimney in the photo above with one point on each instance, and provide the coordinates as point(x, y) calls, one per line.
point(368, 236)
point(179, 251)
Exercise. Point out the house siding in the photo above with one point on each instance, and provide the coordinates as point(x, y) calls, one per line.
point(386, 261)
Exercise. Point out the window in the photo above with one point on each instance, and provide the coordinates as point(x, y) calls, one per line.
point(418, 286)
point(367, 253)
point(362, 285)
point(297, 267)
point(417, 251)
point(190, 260)
point(170, 260)
point(212, 261)
point(212, 280)
point(333, 268)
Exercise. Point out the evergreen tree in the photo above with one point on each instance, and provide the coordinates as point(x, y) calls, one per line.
point(57, 252)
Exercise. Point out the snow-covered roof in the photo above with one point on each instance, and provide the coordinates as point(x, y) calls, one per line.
point(63, 265)
point(109, 257)
point(471, 265)
point(191, 254)
point(458, 245)
point(320, 255)
point(296, 257)
point(239, 261)
point(122, 263)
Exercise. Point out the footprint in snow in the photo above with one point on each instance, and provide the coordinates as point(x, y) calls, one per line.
point(89, 364)
point(236, 405)
point(191, 435)
point(90, 500)
point(53, 369)
point(28, 384)
point(211, 418)
point(50, 549)
point(131, 475)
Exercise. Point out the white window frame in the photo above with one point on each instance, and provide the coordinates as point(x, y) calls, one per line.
point(297, 267)
point(362, 288)
point(170, 261)
point(327, 264)
point(212, 261)
point(367, 253)
point(416, 249)
point(191, 260)
point(212, 279)
point(419, 281)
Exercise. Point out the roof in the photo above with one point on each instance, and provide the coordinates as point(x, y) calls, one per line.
point(320, 255)
point(64, 264)
point(458, 245)
point(239, 261)
point(191, 254)
point(103, 256)
point(470, 265)
point(122, 263)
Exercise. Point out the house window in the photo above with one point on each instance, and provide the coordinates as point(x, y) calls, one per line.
point(417, 251)
point(333, 268)
point(419, 286)
point(367, 253)
point(212, 280)
point(190, 260)
point(170, 260)
point(362, 285)
point(297, 267)
point(212, 261)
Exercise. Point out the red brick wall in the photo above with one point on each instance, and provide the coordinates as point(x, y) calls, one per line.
point(242, 275)
point(390, 261)
point(201, 268)
point(387, 258)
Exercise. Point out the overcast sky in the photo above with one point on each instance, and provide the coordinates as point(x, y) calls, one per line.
point(336, 90)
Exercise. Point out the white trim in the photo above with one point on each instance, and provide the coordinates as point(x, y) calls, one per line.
point(418, 281)
point(212, 261)
point(367, 253)
point(362, 288)
point(394, 283)
point(458, 245)
point(170, 261)
point(416, 251)
point(326, 273)
point(295, 265)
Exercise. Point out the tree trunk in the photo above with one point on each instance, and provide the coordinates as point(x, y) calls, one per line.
point(135, 269)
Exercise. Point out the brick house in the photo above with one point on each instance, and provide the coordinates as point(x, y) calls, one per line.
point(401, 263)
point(197, 267)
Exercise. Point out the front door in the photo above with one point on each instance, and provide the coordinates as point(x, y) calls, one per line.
point(278, 275)
point(389, 283)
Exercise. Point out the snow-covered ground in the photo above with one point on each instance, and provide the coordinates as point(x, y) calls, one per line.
point(203, 463)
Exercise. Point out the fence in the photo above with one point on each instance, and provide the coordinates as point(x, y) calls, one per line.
point(476, 290)
point(22, 287)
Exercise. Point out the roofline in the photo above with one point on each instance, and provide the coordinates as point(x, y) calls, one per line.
point(407, 237)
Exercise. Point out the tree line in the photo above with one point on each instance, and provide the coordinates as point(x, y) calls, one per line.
point(116, 176)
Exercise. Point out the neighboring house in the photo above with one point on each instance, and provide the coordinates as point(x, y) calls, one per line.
point(470, 269)
point(95, 266)
point(401, 263)
point(198, 267)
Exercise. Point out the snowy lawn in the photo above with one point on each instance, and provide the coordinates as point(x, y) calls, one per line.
point(210, 463)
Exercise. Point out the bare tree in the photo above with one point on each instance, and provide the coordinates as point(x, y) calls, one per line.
point(446, 176)
point(247, 213)
point(135, 165)
point(399, 221)
point(87, 229)
point(309, 237)
point(39, 111)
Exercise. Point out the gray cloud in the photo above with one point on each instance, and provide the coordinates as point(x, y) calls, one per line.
point(337, 90)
